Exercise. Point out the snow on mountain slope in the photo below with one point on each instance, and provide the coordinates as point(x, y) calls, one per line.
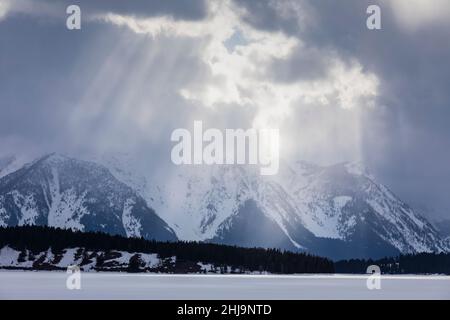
point(197, 200)
point(341, 205)
point(338, 199)
point(185, 199)
point(64, 192)
point(338, 211)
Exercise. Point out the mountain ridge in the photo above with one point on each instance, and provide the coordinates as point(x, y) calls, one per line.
point(329, 205)
point(338, 211)
point(60, 191)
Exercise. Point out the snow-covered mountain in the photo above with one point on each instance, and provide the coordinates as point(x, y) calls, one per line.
point(345, 203)
point(337, 211)
point(64, 192)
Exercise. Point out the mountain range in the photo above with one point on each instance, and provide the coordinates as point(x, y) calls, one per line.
point(339, 211)
point(63, 192)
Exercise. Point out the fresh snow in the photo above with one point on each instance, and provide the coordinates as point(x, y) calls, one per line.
point(27, 206)
point(68, 258)
point(65, 208)
point(3, 215)
point(8, 256)
point(52, 285)
point(341, 201)
point(131, 224)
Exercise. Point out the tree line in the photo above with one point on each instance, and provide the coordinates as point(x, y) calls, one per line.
point(41, 238)
point(420, 263)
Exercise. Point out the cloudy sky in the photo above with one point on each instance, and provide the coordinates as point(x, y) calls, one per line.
point(139, 69)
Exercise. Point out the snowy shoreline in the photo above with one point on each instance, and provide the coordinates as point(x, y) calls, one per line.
point(249, 275)
point(45, 285)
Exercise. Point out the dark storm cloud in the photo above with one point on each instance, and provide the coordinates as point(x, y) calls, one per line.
point(264, 15)
point(178, 9)
point(28, 71)
point(52, 78)
point(47, 70)
point(406, 139)
point(189, 10)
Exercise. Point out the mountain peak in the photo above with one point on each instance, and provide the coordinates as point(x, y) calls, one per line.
point(55, 157)
point(64, 192)
point(357, 168)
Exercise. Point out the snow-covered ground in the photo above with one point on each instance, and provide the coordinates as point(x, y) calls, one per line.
point(52, 285)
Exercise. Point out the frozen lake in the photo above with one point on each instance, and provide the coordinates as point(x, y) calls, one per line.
point(52, 285)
